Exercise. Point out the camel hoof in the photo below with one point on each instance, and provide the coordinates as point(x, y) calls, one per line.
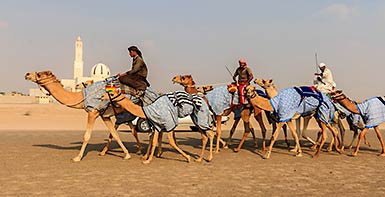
point(209, 159)
point(144, 157)
point(293, 150)
point(159, 155)
point(329, 150)
point(145, 162)
point(102, 153)
point(188, 158)
point(236, 150)
point(198, 160)
point(354, 154)
point(267, 156)
point(299, 155)
point(314, 147)
point(76, 159)
point(342, 148)
point(315, 156)
point(226, 147)
point(127, 157)
point(382, 155)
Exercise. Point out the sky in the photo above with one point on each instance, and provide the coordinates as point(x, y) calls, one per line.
point(278, 39)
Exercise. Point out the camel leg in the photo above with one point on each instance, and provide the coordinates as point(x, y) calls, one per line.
point(211, 138)
point(151, 147)
point(160, 139)
point(295, 136)
point(379, 136)
point(273, 139)
point(324, 137)
point(176, 147)
point(245, 134)
point(335, 137)
point(342, 131)
point(204, 143)
point(355, 134)
point(107, 146)
point(219, 131)
point(150, 139)
point(366, 141)
point(114, 133)
point(235, 124)
point(362, 134)
point(87, 135)
point(259, 119)
point(135, 134)
point(306, 121)
point(284, 127)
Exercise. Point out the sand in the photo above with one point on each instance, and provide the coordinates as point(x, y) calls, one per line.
point(38, 141)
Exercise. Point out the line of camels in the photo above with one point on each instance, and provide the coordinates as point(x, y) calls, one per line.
point(256, 106)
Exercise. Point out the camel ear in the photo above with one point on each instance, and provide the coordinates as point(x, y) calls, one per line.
point(271, 81)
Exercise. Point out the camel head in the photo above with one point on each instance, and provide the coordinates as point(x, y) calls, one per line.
point(184, 80)
point(251, 91)
point(337, 95)
point(38, 76)
point(85, 84)
point(205, 89)
point(264, 83)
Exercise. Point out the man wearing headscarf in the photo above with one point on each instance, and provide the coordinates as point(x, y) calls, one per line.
point(324, 81)
point(137, 76)
point(245, 76)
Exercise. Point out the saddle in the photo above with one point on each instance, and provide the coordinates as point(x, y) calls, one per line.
point(310, 91)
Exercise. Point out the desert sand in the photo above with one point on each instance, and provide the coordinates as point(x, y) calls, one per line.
point(38, 142)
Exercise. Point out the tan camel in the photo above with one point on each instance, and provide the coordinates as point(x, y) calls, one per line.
point(370, 104)
point(87, 83)
point(271, 91)
point(48, 81)
point(265, 104)
point(189, 86)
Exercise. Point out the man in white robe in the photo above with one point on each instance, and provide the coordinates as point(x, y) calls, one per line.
point(324, 81)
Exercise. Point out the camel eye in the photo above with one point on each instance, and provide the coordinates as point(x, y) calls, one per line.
point(182, 77)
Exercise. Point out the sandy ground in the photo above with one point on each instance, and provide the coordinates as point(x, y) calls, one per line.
point(38, 141)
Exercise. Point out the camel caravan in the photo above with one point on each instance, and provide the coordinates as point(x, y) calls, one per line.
point(207, 104)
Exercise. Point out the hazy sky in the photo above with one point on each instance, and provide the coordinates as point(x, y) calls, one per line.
point(198, 37)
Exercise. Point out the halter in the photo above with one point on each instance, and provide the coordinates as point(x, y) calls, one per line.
point(45, 81)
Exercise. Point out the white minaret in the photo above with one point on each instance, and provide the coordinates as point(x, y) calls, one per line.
point(78, 63)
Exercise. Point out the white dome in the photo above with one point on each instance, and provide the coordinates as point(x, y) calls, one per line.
point(100, 70)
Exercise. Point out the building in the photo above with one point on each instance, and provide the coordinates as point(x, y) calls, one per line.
point(98, 72)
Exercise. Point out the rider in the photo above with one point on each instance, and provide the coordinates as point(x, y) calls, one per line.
point(244, 78)
point(324, 81)
point(137, 76)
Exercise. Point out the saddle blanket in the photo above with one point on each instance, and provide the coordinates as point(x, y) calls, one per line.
point(93, 96)
point(373, 112)
point(288, 102)
point(164, 112)
point(220, 99)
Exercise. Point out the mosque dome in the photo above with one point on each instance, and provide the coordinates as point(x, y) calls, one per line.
point(100, 71)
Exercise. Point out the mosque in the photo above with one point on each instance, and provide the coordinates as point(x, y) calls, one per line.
point(98, 72)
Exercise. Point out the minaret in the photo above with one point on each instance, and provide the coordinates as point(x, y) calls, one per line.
point(78, 63)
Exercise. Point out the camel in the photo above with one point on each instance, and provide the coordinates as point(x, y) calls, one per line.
point(271, 92)
point(284, 105)
point(48, 81)
point(189, 86)
point(87, 83)
point(373, 112)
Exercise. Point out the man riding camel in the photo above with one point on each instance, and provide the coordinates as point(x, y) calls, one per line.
point(135, 78)
point(324, 81)
point(245, 76)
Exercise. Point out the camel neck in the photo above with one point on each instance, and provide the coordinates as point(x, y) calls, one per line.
point(261, 103)
point(349, 105)
point(71, 99)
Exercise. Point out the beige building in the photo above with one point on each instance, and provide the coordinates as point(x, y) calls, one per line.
point(98, 72)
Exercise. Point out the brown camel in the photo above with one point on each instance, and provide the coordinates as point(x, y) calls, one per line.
point(48, 81)
point(370, 106)
point(271, 91)
point(87, 83)
point(265, 104)
point(204, 89)
point(189, 86)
